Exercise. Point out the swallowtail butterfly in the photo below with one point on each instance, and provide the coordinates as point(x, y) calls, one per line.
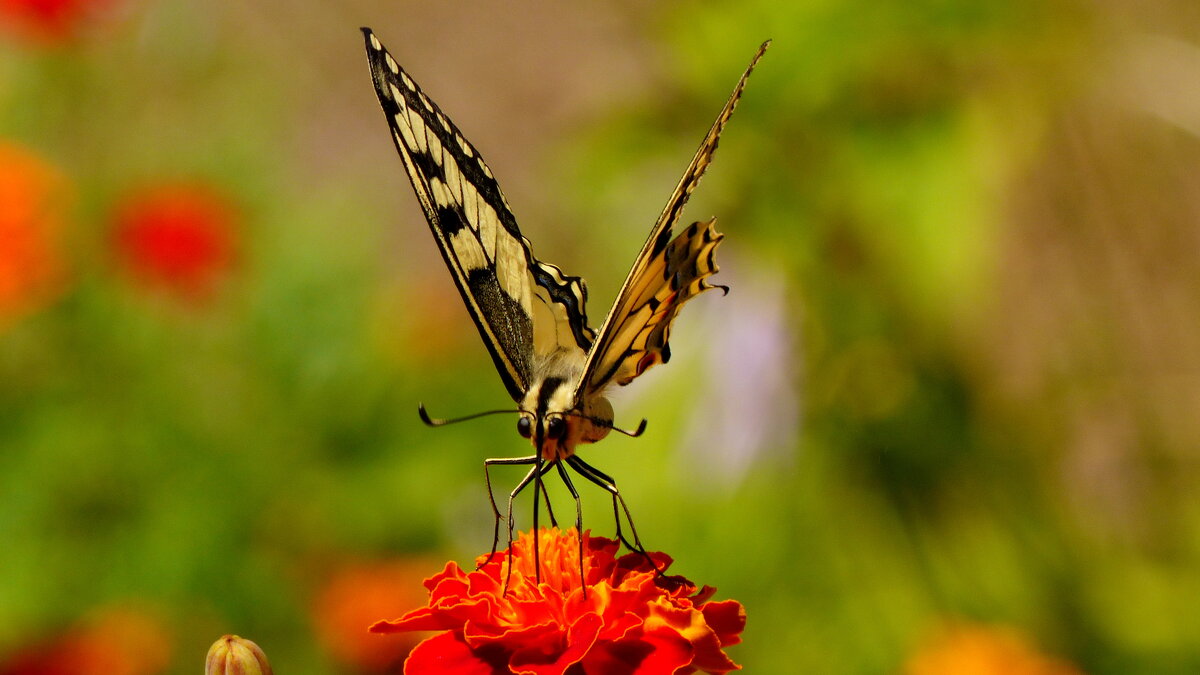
point(531, 315)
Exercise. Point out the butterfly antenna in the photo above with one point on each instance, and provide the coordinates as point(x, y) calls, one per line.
point(437, 422)
point(635, 433)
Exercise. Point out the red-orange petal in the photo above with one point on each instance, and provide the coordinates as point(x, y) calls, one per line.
point(691, 625)
point(554, 658)
point(727, 618)
point(445, 653)
point(422, 618)
point(652, 653)
point(477, 635)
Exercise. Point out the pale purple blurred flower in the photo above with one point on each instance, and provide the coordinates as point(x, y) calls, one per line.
point(746, 404)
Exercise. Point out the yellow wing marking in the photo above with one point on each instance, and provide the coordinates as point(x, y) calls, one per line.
point(671, 278)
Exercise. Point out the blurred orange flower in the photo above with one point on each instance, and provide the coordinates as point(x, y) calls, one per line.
point(632, 621)
point(50, 21)
point(114, 642)
point(179, 237)
point(984, 650)
point(32, 196)
point(354, 598)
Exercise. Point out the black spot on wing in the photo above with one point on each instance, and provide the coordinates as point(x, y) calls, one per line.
point(660, 243)
point(506, 317)
point(677, 280)
point(509, 323)
point(452, 220)
point(450, 139)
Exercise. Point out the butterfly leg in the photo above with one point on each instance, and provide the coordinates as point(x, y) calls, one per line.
point(605, 481)
point(546, 496)
point(487, 477)
point(538, 489)
point(535, 475)
point(578, 521)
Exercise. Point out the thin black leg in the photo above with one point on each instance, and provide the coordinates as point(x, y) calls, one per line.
point(605, 481)
point(578, 522)
point(546, 497)
point(538, 488)
point(487, 477)
point(535, 474)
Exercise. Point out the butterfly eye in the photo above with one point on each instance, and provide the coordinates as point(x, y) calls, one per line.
point(556, 427)
point(524, 427)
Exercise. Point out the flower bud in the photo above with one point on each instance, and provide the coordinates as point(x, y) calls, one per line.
point(232, 655)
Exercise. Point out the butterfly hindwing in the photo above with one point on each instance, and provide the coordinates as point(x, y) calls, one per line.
point(521, 306)
point(666, 273)
point(565, 298)
point(674, 275)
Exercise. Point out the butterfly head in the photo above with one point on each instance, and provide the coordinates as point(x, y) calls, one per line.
point(555, 422)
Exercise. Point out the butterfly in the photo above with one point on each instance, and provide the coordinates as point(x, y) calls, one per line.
point(532, 317)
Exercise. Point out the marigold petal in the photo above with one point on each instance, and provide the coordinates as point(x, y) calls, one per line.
point(450, 571)
point(709, 657)
point(638, 562)
point(691, 625)
point(446, 654)
point(727, 618)
point(554, 658)
point(422, 618)
point(703, 595)
point(478, 634)
point(654, 653)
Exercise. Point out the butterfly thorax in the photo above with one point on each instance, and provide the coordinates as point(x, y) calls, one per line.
point(553, 418)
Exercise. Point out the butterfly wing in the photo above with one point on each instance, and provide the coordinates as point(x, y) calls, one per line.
point(520, 305)
point(667, 273)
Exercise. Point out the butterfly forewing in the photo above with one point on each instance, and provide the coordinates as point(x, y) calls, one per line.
point(665, 274)
point(522, 307)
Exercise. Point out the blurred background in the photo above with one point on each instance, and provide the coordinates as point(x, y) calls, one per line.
point(944, 422)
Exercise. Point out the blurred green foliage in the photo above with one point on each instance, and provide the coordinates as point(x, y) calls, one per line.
point(985, 242)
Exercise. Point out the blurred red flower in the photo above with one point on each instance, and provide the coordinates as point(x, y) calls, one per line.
point(50, 21)
point(114, 642)
point(32, 196)
point(179, 237)
point(633, 621)
point(357, 595)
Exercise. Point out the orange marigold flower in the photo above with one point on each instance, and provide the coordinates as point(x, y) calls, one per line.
point(358, 594)
point(984, 650)
point(632, 620)
point(31, 203)
point(50, 21)
point(178, 237)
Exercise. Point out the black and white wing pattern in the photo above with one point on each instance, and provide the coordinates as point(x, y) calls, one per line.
point(521, 306)
point(667, 273)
